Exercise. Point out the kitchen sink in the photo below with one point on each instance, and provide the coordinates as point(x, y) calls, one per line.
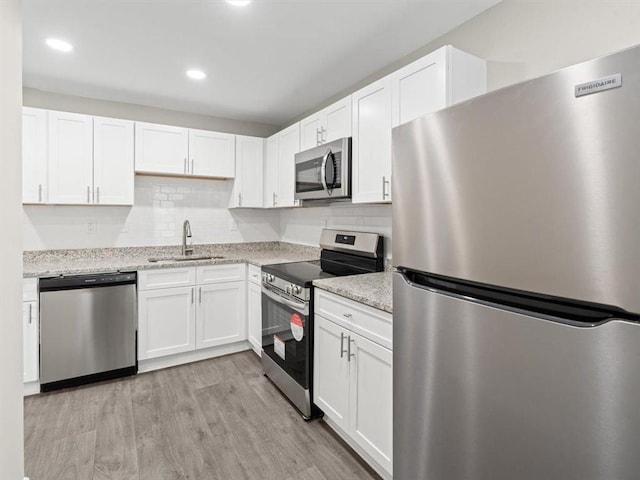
point(185, 258)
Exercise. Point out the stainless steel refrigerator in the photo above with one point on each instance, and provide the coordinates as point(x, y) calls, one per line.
point(516, 237)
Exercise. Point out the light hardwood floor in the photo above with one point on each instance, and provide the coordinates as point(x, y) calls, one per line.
point(216, 419)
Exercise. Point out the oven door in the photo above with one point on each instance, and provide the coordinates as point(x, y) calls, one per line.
point(323, 172)
point(286, 334)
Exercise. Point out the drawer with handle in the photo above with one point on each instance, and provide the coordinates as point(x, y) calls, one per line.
point(229, 272)
point(255, 274)
point(166, 278)
point(30, 290)
point(369, 322)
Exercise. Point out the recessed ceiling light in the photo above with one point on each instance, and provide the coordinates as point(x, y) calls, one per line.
point(59, 45)
point(196, 74)
point(239, 3)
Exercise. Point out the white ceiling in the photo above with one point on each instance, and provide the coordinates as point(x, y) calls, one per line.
point(267, 62)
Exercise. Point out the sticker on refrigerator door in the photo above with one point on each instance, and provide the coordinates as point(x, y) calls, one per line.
point(278, 346)
point(297, 326)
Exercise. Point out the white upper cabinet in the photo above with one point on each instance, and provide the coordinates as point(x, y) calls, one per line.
point(337, 120)
point(329, 124)
point(288, 146)
point(113, 161)
point(211, 154)
point(34, 155)
point(438, 80)
point(248, 183)
point(161, 149)
point(310, 129)
point(70, 158)
point(371, 145)
point(271, 172)
point(76, 159)
point(279, 174)
point(167, 150)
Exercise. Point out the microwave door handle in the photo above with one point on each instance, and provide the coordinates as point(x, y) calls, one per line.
point(323, 172)
point(334, 166)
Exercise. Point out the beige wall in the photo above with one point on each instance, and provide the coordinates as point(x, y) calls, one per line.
point(526, 39)
point(104, 108)
point(11, 424)
point(521, 40)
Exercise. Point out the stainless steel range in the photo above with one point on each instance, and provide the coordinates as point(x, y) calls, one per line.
point(287, 309)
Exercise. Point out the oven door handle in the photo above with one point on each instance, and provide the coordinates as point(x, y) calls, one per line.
point(299, 307)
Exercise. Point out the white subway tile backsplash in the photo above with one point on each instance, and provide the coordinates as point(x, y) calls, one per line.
point(162, 205)
point(303, 225)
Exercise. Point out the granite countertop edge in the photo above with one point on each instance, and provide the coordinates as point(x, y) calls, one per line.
point(49, 263)
point(372, 289)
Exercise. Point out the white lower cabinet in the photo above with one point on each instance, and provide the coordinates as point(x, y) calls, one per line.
point(331, 373)
point(186, 309)
point(353, 379)
point(30, 330)
point(221, 314)
point(371, 398)
point(30, 341)
point(166, 322)
point(254, 309)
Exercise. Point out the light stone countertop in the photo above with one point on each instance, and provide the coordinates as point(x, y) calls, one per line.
point(373, 289)
point(49, 263)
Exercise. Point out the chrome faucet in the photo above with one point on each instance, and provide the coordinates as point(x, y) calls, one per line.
point(186, 233)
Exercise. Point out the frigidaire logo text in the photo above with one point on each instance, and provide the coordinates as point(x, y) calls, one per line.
point(591, 86)
point(606, 83)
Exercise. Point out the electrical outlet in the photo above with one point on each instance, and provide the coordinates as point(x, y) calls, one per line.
point(92, 226)
point(233, 225)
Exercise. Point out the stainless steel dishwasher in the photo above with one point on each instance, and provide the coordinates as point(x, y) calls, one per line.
point(88, 328)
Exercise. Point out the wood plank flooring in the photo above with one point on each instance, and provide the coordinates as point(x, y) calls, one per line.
point(215, 419)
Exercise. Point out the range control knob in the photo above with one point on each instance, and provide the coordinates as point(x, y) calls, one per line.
point(297, 290)
point(271, 278)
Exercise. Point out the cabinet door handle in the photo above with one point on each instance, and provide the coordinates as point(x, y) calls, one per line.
point(192, 295)
point(192, 170)
point(346, 315)
point(385, 182)
point(342, 350)
point(349, 354)
point(240, 199)
point(274, 199)
point(318, 139)
point(323, 139)
point(200, 295)
point(185, 166)
point(40, 192)
point(97, 194)
point(88, 194)
point(30, 313)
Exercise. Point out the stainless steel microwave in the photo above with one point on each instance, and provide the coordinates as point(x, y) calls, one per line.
point(324, 172)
